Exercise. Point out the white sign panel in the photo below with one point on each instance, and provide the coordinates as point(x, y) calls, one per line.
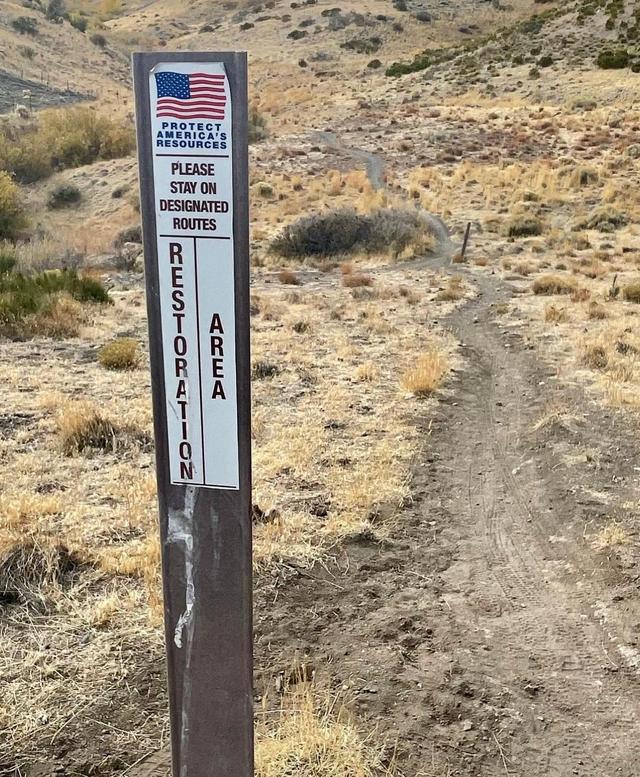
point(193, 181)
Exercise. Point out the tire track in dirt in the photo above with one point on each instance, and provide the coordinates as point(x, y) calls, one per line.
point(477, 633)
point(472, 638)
point(550, 628)
point(496, 662)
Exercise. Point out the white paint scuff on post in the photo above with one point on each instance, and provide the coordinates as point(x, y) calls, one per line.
point(191, 121)
point(181, 531)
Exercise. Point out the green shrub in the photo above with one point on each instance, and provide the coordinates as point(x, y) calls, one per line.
point(25, 25)
point(27, 52)
point(63, 196)
point(8, 261)
point(362, 45)
point(423, 61)
point(55, 10)
point(257, 126)
point(98, 40)
point(263, 369)
point(613, 60)
point(123, 353)
point(79, 22)
point(45, 303)
point(545, 61)
point(533, 25)
point(128, 235)
point(345, 231)
point(12, 215)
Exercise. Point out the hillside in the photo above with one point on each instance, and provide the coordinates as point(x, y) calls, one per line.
point(57, 57)
point(445, 447)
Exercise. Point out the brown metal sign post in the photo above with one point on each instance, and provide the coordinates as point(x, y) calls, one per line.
point(192, 143)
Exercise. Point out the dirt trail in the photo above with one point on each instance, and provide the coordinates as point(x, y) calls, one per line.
point(488, 636)
point(375, 168)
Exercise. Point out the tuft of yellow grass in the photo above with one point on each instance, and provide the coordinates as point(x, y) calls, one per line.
point(81, 427)
point(426, 376)
point(555, 315)
point(367, 372)
point(452, 292)
point(312, 737)
point(123, 353)
point(611, 535)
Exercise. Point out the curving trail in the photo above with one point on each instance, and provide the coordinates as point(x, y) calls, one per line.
point(375, 166)
point(489, 637)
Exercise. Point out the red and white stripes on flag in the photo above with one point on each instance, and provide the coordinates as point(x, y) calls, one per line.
point(191, 95)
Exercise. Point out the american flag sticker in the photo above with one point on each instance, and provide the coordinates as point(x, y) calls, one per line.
point(191, 95)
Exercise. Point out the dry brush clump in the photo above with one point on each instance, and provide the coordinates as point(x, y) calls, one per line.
point(425, 377)
point(29, 568)
point(59, 139)
point(631, 292)
point(524, 226)
point(554, 284)
point(313, 734)
point(289, 278)
point(344, 231)
point(452, 292)
point(123, 353)
point(555, 315)
point(81, 428)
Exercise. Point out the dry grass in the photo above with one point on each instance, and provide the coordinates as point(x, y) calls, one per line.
point(452, 292)
point(555, 315)
point(426, 376)
point(631, 292)
point(595, 356)
point(596, 312)
point(354, 280)
point(612, 535)
point(29, 568)
point(63, 317)
point(289, 278)
point(82, 428)
point(317, 738)
point(554, 284)
point(557, 416)
point(367, 372)
point(123, 353)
